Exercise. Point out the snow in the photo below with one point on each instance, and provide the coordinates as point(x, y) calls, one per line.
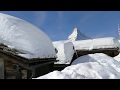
point(65, 51)
point(77, 35)
point(98, 43)
point(23, 36)
point(117, 57)
point(91, 66)
point(119, 41)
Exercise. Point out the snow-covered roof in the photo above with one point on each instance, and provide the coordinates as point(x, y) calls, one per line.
point(91, 66)
point(65, 51)
point(99, 43)
point(23, 36)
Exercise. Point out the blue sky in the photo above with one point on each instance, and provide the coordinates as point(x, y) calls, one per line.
point(58, 25)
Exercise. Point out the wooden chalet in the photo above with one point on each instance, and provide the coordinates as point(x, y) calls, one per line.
point(109, 51)
point(13, 66)
point(109, 46)
point(21, 43)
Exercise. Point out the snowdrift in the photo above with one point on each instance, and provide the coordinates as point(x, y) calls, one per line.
point(117, 57)
point(91, 66)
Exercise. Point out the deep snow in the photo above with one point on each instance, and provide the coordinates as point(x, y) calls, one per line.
point(91, 66)
point(23, 36)
point(65, 51)
point(98, 43)
point(117, 57)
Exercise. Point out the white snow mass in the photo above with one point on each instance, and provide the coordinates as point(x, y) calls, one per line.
point(65, 51)
point(117, 57)
point(21, 35)
point(98, 43)
point(91, 66)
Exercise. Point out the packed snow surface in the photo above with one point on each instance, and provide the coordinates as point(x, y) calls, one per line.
point(23, 36)
point(91, 66)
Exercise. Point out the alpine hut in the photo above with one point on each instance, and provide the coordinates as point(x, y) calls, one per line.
point(25, 50)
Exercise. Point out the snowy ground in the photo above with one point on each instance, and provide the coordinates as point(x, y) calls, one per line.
point(91, 66)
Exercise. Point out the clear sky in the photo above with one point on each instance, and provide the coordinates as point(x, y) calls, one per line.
point(58, 25)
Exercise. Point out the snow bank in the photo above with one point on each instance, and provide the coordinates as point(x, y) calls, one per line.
point(91, 66)
point(65, 51)
point(21, 35)
point(99, 43)
point(117, 57)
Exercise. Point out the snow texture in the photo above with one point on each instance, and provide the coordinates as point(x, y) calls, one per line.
point(98, 43)
point(77, 35)
point(91, 66)
point(117, 57)
point(21, 35)
point(65, 51)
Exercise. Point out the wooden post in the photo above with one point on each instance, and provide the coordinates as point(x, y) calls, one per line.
point(2, 68)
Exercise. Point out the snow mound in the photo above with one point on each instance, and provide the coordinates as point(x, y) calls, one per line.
point(77, 35)
point(21, 35)
point(91, 66)
point(65, 51)
point(98, 43)
point(119, 41)
point(117, 57)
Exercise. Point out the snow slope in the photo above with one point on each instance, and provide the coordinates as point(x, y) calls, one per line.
point(65, 51)
point(77, 35)
point(117, 57)
point(98, 43)
point(91, 66)
point(23, 36)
